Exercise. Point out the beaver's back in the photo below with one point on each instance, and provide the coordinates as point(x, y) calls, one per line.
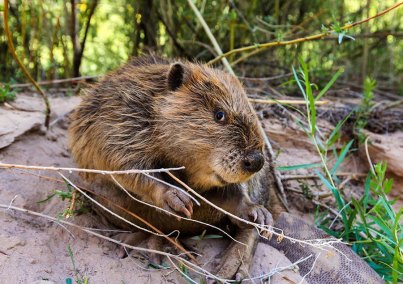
point(114, 120)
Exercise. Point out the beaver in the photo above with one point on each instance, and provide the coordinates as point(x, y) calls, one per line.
point(157, 113)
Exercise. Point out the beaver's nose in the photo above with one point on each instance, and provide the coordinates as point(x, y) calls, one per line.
point(253, 161)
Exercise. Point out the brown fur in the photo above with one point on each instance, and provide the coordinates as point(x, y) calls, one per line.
point(154, 113)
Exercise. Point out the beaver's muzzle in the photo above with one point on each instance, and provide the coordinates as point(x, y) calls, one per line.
point(253, 161)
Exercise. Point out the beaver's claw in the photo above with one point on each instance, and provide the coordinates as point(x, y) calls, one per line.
point(254, 213)
point(176, 201)
point(259, 215)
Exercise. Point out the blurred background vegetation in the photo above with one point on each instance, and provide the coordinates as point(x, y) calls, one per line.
point(62, 39)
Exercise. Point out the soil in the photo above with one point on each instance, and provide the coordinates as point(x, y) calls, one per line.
point(34, 249)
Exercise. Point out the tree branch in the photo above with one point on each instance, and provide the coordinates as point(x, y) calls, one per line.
point(298, 40)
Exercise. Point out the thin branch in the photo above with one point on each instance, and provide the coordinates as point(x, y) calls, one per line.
point(211, 36)
point(15, 166)
point(172, 186)
point(108, 210)
point(87, 27)
point(318, 243)
point(172, 35)
point(265, 78)
point(172, 214)
point(24, 70)
point(298, 40)
point(322, 244)
point(286, 102)
point(59, 81)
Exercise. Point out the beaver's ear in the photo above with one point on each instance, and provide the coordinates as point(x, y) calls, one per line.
point(177, 75)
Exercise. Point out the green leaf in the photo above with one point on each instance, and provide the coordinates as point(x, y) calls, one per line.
point(340, 203)
point(342, 155)
point(381, 224)
point(301, 166)
point(387, 185)
point(367, 188)
point(388, 208)
point(362, 216)
point(47, 198)
point(330, 83)
point(308, 90)
point(298, 82)
point(324, 180)
point(396, 261)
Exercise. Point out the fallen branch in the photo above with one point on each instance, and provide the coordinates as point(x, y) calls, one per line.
point(15, 166)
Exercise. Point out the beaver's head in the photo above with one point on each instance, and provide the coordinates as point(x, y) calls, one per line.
point(206, 124)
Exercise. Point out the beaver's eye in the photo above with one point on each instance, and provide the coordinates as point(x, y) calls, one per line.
point(219, 116)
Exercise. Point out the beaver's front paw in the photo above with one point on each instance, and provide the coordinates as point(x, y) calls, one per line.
point(177, 202)
point(257, 214)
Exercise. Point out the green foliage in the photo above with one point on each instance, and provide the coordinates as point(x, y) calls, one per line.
point(6, 93)
point(363, 110)
point(124, 28)
point(372, 226)
point(341, 34)
point(369, 224)
point(79, 208)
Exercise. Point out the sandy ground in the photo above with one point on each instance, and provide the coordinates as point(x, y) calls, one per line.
point(34, 249)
